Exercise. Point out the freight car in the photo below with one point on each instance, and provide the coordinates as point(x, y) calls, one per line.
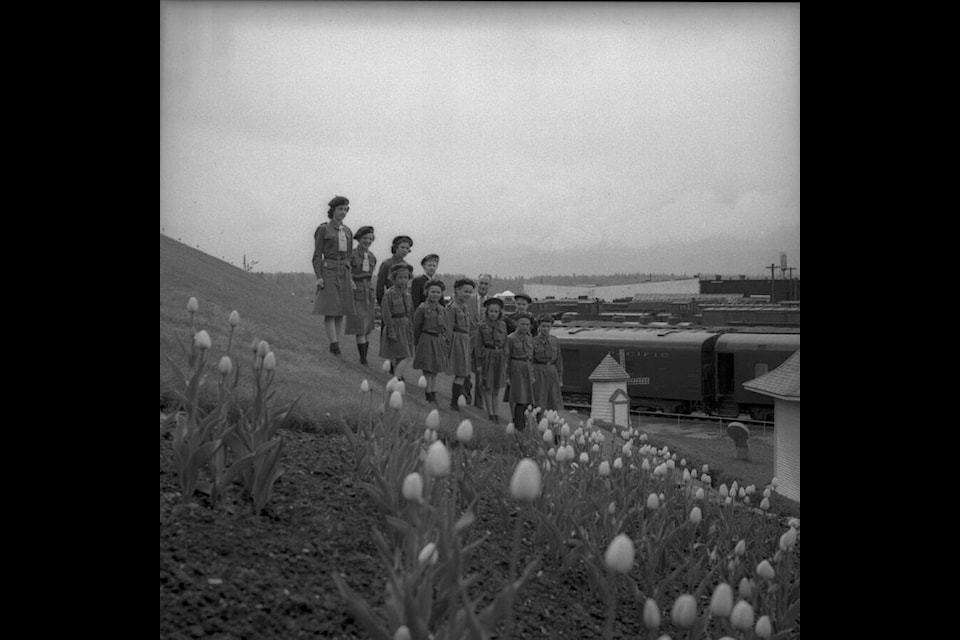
point(677, 370)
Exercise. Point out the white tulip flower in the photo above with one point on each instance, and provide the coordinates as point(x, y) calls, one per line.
point(385, 367)
point(604, 468)
point(465, 431)
point(402, 633)
point(263, 348)
point(764, 628)
point(433, 420)
point(765, 504)
point(202, 340)
point(651, 614)
point(364, 386)
point(401, 386)
point(461, 402)
point(699, 494)
point(510, 429)
point(721, 604)
point(645, 465)
point(192, 305)
point(438, 460)
point(696, 515)
point(430, 554)
point(774, 483)
point(234, 318)
point(543, 425)
point(548, 436)
point(422, 382)
point(765, 570)
point(270, 361)
point(618, 463)
point(584, 458)
point(745, 589)
point(653, 501)
point(788, 540)
point(742, 615)
point(723, 491)
point(525, 485)
point(413, 487)
point(684, 612)
point(741, 548)
point(226, 366)
point(619, 555)
point(396, 400)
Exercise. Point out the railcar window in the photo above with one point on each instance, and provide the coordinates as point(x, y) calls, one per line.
point(759, 369)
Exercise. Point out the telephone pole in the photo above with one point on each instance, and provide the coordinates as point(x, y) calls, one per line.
point(773, 269)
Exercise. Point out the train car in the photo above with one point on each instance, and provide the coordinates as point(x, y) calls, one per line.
point(671, 370)
point(744, 356)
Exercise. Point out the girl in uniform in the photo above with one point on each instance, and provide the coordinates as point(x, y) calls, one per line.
point(519, 353)
point(491, 343)
point(397, 310)
point(362, 265)
point(333, 245)
point(429, 333)
point(458, 331)
point(547, 367)
point(398, 249)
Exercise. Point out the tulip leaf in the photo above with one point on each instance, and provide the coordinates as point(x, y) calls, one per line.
point(360, 610)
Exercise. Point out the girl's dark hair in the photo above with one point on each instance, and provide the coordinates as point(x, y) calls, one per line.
point(338, 201)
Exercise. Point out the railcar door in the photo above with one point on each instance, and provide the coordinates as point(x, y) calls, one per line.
point(725, 381)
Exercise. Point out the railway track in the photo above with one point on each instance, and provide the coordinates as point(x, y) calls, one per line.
point(753, 425)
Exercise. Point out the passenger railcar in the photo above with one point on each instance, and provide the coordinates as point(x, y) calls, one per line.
point(745, 356)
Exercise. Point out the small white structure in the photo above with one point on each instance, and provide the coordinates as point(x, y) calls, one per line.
point(609, 378)
point(783, 385)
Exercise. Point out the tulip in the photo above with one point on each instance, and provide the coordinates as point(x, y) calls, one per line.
point(774, 483)
point(684, 612)
point(618, 463)
point(741, 548)
point(430, 554)
point(263, 348)
point(461, 402)
point(525, 483)
point(364, 386)
point(699, 494)
point(683, 462)
point(413, 487)
point(723, 491)
point(645, 465)
point(438, 460)
point(705, 479)
point(706, 468)
point(465, 431)
point(686, 475)
point(202, 340)
point(396, 400)
point(767, 493)
point(234, 318)
point(552, 453)
point(745, 589)
point(595, 448)
point(742, 615)
point(612, 508)
point(788, 539)
point(651, 614)
point(192, 305)
point(696, 515)
point(619, 555)
point(226, 366)
point(402, 633)
point(765, 504)
point(584, 458)
point(794, 523)
point(385, 367)
point(653, 502)
point(547, 435)
point(742, 493)
point(763, 629)
point(671, 464)
point(428, 435)
point(734, 488)
point(543, 425)
point(604, 468)
point(269, 361)
point(401, 387)
point(764, 570)
point(728, 501)
point(510, 429)
point(433, 420)
point(565, 430)
point(721, 604)
point(422, 382)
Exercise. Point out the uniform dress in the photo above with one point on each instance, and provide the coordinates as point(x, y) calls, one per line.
point(490, 354)
point(383, 275)
point(418, 294)
point(331, 261)
point(361, 322)
point(519, 353)
point(397, 310)
point(511, 320)
point(430, 334)
point(548, 372)
point(458, 330)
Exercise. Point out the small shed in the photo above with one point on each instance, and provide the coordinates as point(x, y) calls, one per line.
point(608, 378)
point(783, 385)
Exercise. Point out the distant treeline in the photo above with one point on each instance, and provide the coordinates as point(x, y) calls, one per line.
point(303, 284)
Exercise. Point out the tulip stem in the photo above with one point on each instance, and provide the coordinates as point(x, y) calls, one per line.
point(611, 607)
point(514, 561)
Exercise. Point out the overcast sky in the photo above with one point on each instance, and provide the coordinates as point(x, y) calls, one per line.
point(514, 138)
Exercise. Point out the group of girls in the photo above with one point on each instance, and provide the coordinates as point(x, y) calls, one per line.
point(433, 337)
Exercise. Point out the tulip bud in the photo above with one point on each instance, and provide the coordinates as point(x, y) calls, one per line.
point(686, 475)
point(763, 629)
point(651, 614)
point(721, 604)
point(461, 402)
point(364, 386)
point(202, 340)
point(543, 425)
point(671, 464)
point(696, 515)
point(438, 460)
point(400, 386)
point(774, 483)
point(269, 362)
point(619, 555)
point(402, 633)
point(192, 305)
point(422, 382)
point(683, 462)
point(584, 458)
point(788, 539)
point(765, 504)
point(604, 468)
point(653, 502)
point(767, 493)
point(706, 468)
point(263, 348)
point(612, 508)
point(741, 548)
point(510, 429)
point(728, 501)
point(396, 400)
point(764, 570)
point(430, 554)
point(413, 487)
point(565, 430)
point(699, 494)
point(433, 419)
point(705, 479)
point(525, 483)
point(547, 435)
point(385, 367)
point(723, 491)
point(465, 431)
point(742, 615)
point(684, 612)
point(745, 589)
point(645, 465)
point(618, 463)
point(794, 523)
point(234, 318)
point(226, 366)
point(734, 488)
point(741, 493)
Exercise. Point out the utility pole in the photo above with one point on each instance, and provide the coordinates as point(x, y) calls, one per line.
point(773, 269)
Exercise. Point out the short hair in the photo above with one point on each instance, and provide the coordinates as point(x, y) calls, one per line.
point(462, 281)
point(429, 257)
point(488, 276)
point(435, 283)
point(398, 240)
point(338, 201)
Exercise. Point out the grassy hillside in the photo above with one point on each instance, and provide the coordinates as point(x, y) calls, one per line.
point(329, 386)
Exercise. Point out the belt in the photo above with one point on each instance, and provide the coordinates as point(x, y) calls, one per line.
point(402, 315)
point(335, 263)
point(433, 333)
point(521, 359)
point(460, 331)
point(491, 348)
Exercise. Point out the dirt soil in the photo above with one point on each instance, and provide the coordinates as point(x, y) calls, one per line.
point(226, 573)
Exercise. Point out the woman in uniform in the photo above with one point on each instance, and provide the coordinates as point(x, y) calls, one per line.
point(333, 245)
point(491, 343)
point(398, 251)
point(547, 367)
point(458, 331)
point(519, 353)
point(362, 265)
point(429, 334)
point(397, 310)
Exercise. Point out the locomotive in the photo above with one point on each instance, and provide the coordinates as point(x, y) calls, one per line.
point(677, 370)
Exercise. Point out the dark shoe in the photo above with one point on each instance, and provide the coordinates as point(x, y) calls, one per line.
point(495, 419)
point(455, 395)
point(335, 348)
point(362, 348)
point(467, 389)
